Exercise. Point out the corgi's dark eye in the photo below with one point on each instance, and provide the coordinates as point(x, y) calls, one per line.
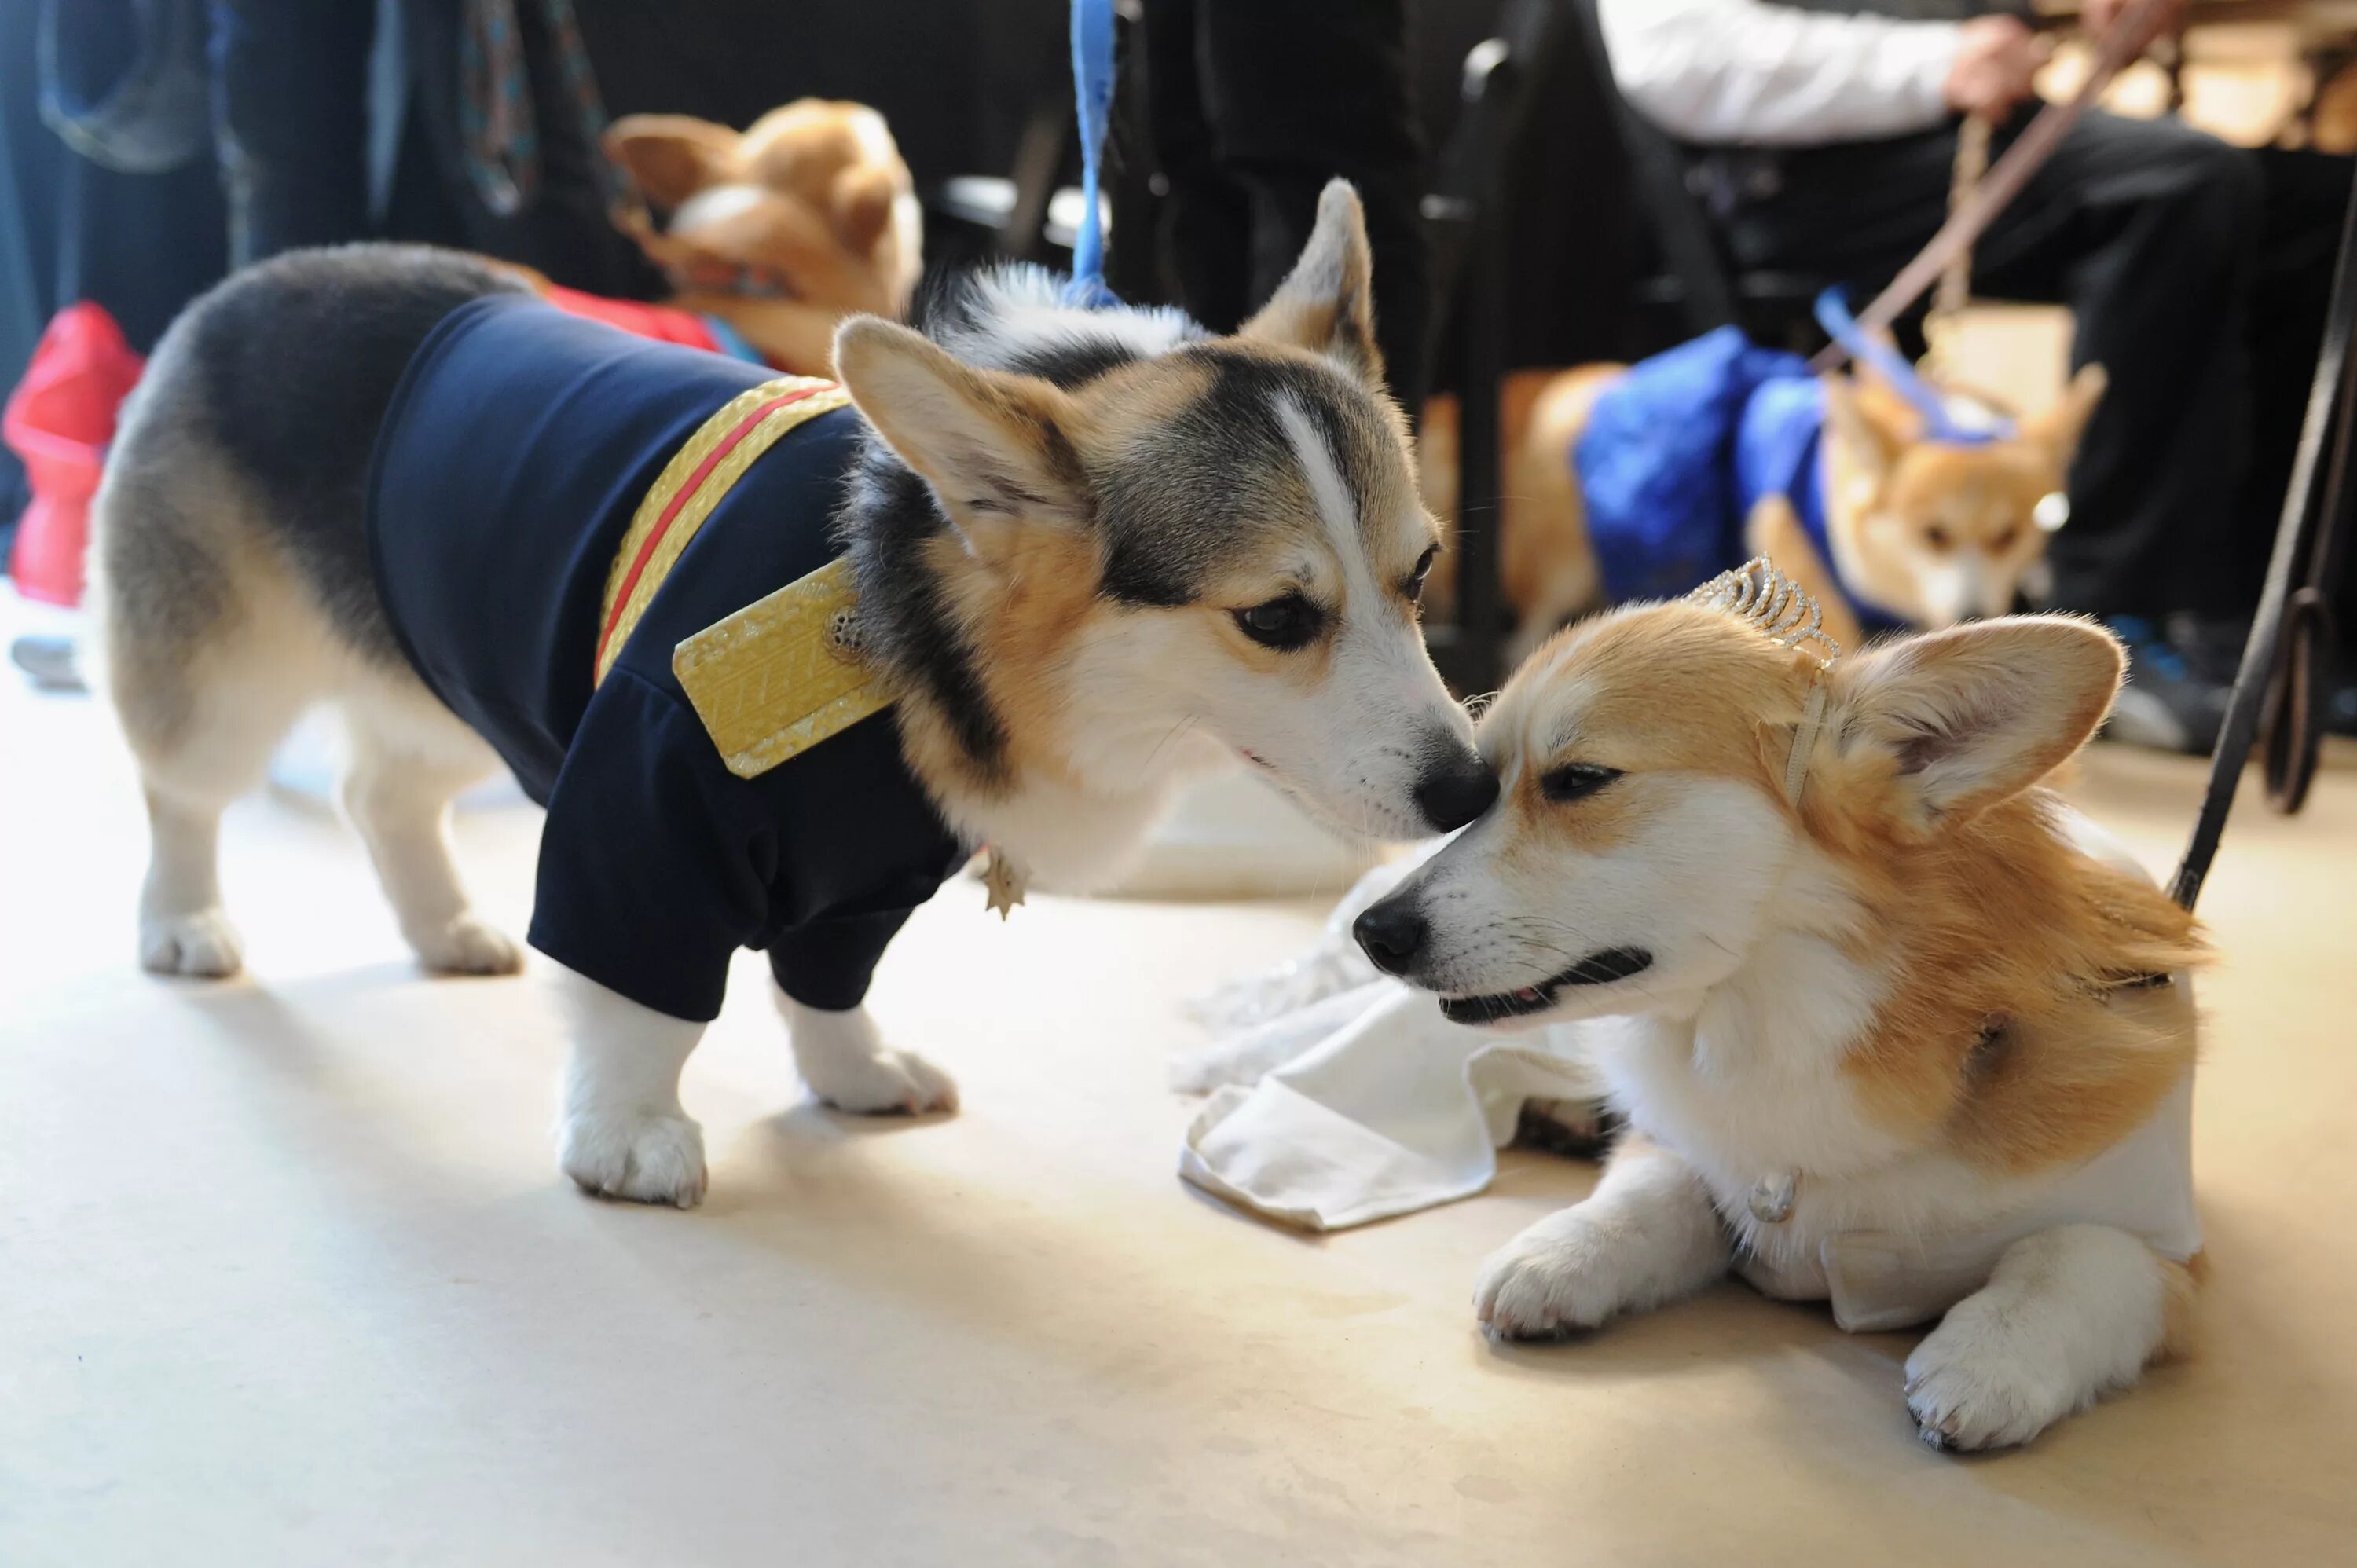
point(1939, 539)
point(1575, 779)
point(1289, 622)
point(1413, 586)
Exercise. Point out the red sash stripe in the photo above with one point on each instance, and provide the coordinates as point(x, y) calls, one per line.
point(663, 523)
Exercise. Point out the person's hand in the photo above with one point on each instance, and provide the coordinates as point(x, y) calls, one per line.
point(1996, 67)
point(2097, 16)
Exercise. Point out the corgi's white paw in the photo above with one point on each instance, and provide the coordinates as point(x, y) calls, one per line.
point(888, 1082)
point(1972, 1383)
point(645, 1157)
point(842, 1058)
point(1567, 1272)
point(468, 946)
point(2068, 1316)
point(203, 944)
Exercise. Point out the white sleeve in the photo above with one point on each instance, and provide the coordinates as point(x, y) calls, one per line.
point(1730, 71)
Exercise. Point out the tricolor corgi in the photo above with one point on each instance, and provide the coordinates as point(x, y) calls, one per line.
point(1889, 1025)
point(777, 655)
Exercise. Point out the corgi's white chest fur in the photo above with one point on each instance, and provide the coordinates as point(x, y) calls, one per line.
point(1729, 1091)
point(1751, 1091)
point(1747, 1119)
point(1751, 1083)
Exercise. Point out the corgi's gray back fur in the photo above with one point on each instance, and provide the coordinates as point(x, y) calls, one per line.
point(232, 589)
point(252, 429)
point(1164, 527)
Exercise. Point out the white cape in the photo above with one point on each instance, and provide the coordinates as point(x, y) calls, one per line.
point(1339, 1095)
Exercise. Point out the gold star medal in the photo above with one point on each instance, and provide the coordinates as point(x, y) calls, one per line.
point(1004, 881)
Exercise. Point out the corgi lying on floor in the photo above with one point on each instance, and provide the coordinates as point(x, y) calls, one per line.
point(1888, 1027)
point(776, 659)
point(1835, 478)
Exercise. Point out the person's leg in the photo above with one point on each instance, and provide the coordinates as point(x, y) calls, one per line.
point(2149, 231)
point(1205, 232)
point(290, 116)
point(1296, 92)
point(1853, 210)
point(565, 230)
point(2306, 195)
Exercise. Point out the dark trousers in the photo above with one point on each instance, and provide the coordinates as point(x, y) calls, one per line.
point(293, 117)
point(141, 245)
point(2197, 273)
point(291, 122)
point(1253, 105)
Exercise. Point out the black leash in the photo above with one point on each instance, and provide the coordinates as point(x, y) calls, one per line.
point(2284, 680)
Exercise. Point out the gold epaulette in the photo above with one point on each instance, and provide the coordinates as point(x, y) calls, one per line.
point(784, 673)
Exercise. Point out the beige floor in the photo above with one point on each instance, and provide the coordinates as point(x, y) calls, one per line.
point(286, 1276)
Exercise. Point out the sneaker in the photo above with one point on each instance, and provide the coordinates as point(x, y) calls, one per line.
point(2175, 699)
point(2213, 650)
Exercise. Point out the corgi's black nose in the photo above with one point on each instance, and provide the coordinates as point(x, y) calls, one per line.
point(1455, 792)
point(1391, 934)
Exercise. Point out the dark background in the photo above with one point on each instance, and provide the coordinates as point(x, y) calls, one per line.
point(957, 79)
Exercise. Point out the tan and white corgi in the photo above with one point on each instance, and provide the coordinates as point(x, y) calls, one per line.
point(1890, 1025)
point(783, 229)
point(1931, 532)
point(1092, 554)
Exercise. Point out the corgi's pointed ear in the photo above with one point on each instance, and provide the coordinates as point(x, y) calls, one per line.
point(860, 206)
point(1862, 431)
point(2058, 428)
point(672, 157)
point(996, 448)
point(1327, 304)
point(1976, 714)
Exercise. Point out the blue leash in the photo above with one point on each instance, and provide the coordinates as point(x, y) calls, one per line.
point(1939, 424)
point(1092, 92)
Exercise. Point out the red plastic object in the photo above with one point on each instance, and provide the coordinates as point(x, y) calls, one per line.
point(664, 322)
point(59, 420)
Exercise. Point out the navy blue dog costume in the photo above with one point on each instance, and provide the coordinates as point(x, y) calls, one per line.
point(506, 475)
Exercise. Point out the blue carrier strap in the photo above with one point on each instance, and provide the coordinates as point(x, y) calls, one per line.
point(1940, 423)
point(1093, 90)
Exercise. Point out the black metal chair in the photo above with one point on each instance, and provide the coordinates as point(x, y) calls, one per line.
point(1469, 229)
point(1504, 81)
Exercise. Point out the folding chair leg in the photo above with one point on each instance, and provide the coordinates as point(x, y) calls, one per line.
point(2280, 678)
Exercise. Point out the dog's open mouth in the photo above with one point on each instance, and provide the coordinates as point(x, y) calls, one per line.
point(1596, 968)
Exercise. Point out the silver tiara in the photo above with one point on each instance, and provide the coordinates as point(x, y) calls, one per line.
point(1772, 604)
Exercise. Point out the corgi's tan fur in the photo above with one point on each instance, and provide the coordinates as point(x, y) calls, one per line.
point(1917, 1005)
point(811, 201)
